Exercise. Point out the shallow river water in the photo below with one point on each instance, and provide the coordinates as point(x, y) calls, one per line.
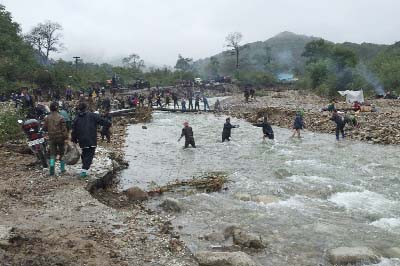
point(328, 194)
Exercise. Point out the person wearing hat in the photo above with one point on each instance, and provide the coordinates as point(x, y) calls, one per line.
point(266, 128)
point(84, 132)
point(226, 132)
point(187, 132)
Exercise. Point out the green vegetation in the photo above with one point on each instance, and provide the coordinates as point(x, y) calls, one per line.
point(320, 65)
point(9, 127)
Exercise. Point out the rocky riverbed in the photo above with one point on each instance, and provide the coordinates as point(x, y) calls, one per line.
point(57, 221)
point(382, 127)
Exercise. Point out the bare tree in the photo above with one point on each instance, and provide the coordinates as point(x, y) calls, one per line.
point(46, 38)
point(133, 61)
point(233, 41)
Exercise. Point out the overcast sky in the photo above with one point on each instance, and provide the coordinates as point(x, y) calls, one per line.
point(159, 30)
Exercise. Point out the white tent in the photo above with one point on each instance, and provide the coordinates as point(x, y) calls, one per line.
point(353, 96)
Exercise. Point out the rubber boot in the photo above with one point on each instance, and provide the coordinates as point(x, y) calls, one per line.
point(83, 174)
point(52, 166)
point(62, 166)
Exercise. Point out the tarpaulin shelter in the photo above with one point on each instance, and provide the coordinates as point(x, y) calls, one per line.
point(353, 96)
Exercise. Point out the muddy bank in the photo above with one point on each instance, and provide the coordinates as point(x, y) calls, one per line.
point(57, 221)
point(382, 127)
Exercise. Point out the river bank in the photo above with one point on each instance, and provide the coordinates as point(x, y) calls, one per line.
point(56, 220)
point(382, 127)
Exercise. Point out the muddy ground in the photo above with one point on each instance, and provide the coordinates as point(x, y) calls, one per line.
point(57, 221)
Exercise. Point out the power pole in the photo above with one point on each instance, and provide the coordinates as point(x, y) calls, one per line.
point(76, 63)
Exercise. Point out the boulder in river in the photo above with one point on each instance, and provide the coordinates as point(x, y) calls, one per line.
point(206, 258)
point(214, 237)
point(265, 199)
point(393, 252)
point(247, 240)
point(352, 255)
point(171, 205)
point(242, 196)
point(136, 194)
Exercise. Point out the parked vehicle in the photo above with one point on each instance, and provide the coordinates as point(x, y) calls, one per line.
point(36, 139)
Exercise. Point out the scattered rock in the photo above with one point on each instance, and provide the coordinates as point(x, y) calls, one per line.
point(393, 252)
point(352, 255)
point(206, 258)
point(265, 199)
point(144, 127)
point(171, 205)
point(228, 232)
point(6, 233)
point(282, 173)
point(242, 196)
point(247, 240)
point(215, 237)
point(136, 194)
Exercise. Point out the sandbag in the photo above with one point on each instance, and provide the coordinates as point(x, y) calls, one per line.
point(72, 153)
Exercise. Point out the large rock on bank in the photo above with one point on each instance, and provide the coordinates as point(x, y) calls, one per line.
point(352, 255)
point(206, 258)
point(6, 234)
point(136, 194)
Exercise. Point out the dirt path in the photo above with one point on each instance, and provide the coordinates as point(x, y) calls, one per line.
point(56, 221)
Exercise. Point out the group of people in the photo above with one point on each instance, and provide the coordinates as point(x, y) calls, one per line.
point(84, 132)
point(267, 130)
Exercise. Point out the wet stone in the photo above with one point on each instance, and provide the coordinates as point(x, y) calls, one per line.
point(265, 199)
point(393, 252)
point(171, 205)
point(247, 240)
point(352, 255)
point(6, 233)
point(206, 258)
point(242, 196)
point(136, 194)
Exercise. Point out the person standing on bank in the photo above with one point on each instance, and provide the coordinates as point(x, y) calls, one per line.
point(226, 132)
point(56, 127)
point(187, 132)
point(84, 132)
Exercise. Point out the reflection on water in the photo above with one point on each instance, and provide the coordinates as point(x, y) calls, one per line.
point(329, 193)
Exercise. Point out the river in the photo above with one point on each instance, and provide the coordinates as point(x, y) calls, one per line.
point(327, 194)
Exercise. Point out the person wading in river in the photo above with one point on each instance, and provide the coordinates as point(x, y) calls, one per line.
point(298, 124)
point(187, 132)
point(226, 132)
point(266, 128)
point(339, 121)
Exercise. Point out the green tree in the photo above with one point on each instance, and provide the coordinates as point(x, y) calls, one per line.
point(17, 62)
point(184, 64)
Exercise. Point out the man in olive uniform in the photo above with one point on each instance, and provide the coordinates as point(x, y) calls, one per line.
point(56, 127)
point(187, 132)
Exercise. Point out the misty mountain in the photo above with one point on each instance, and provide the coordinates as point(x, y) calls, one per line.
point(281, 53)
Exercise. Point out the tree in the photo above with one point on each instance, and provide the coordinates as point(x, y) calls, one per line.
point(17, 62)
point(184, 64)
point(134, 62)
point(213, 66)
point(233, 41)
point(316, 50)
point(46, 38)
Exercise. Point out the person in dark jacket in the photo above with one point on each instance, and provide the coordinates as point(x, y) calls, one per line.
point(84, 132)
point(226, 132)
point(266, 128)
point(339, 121)
point(197, 103)
point(105, 130)
point(298, 124)
point(187, 132)
point(190, 101)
